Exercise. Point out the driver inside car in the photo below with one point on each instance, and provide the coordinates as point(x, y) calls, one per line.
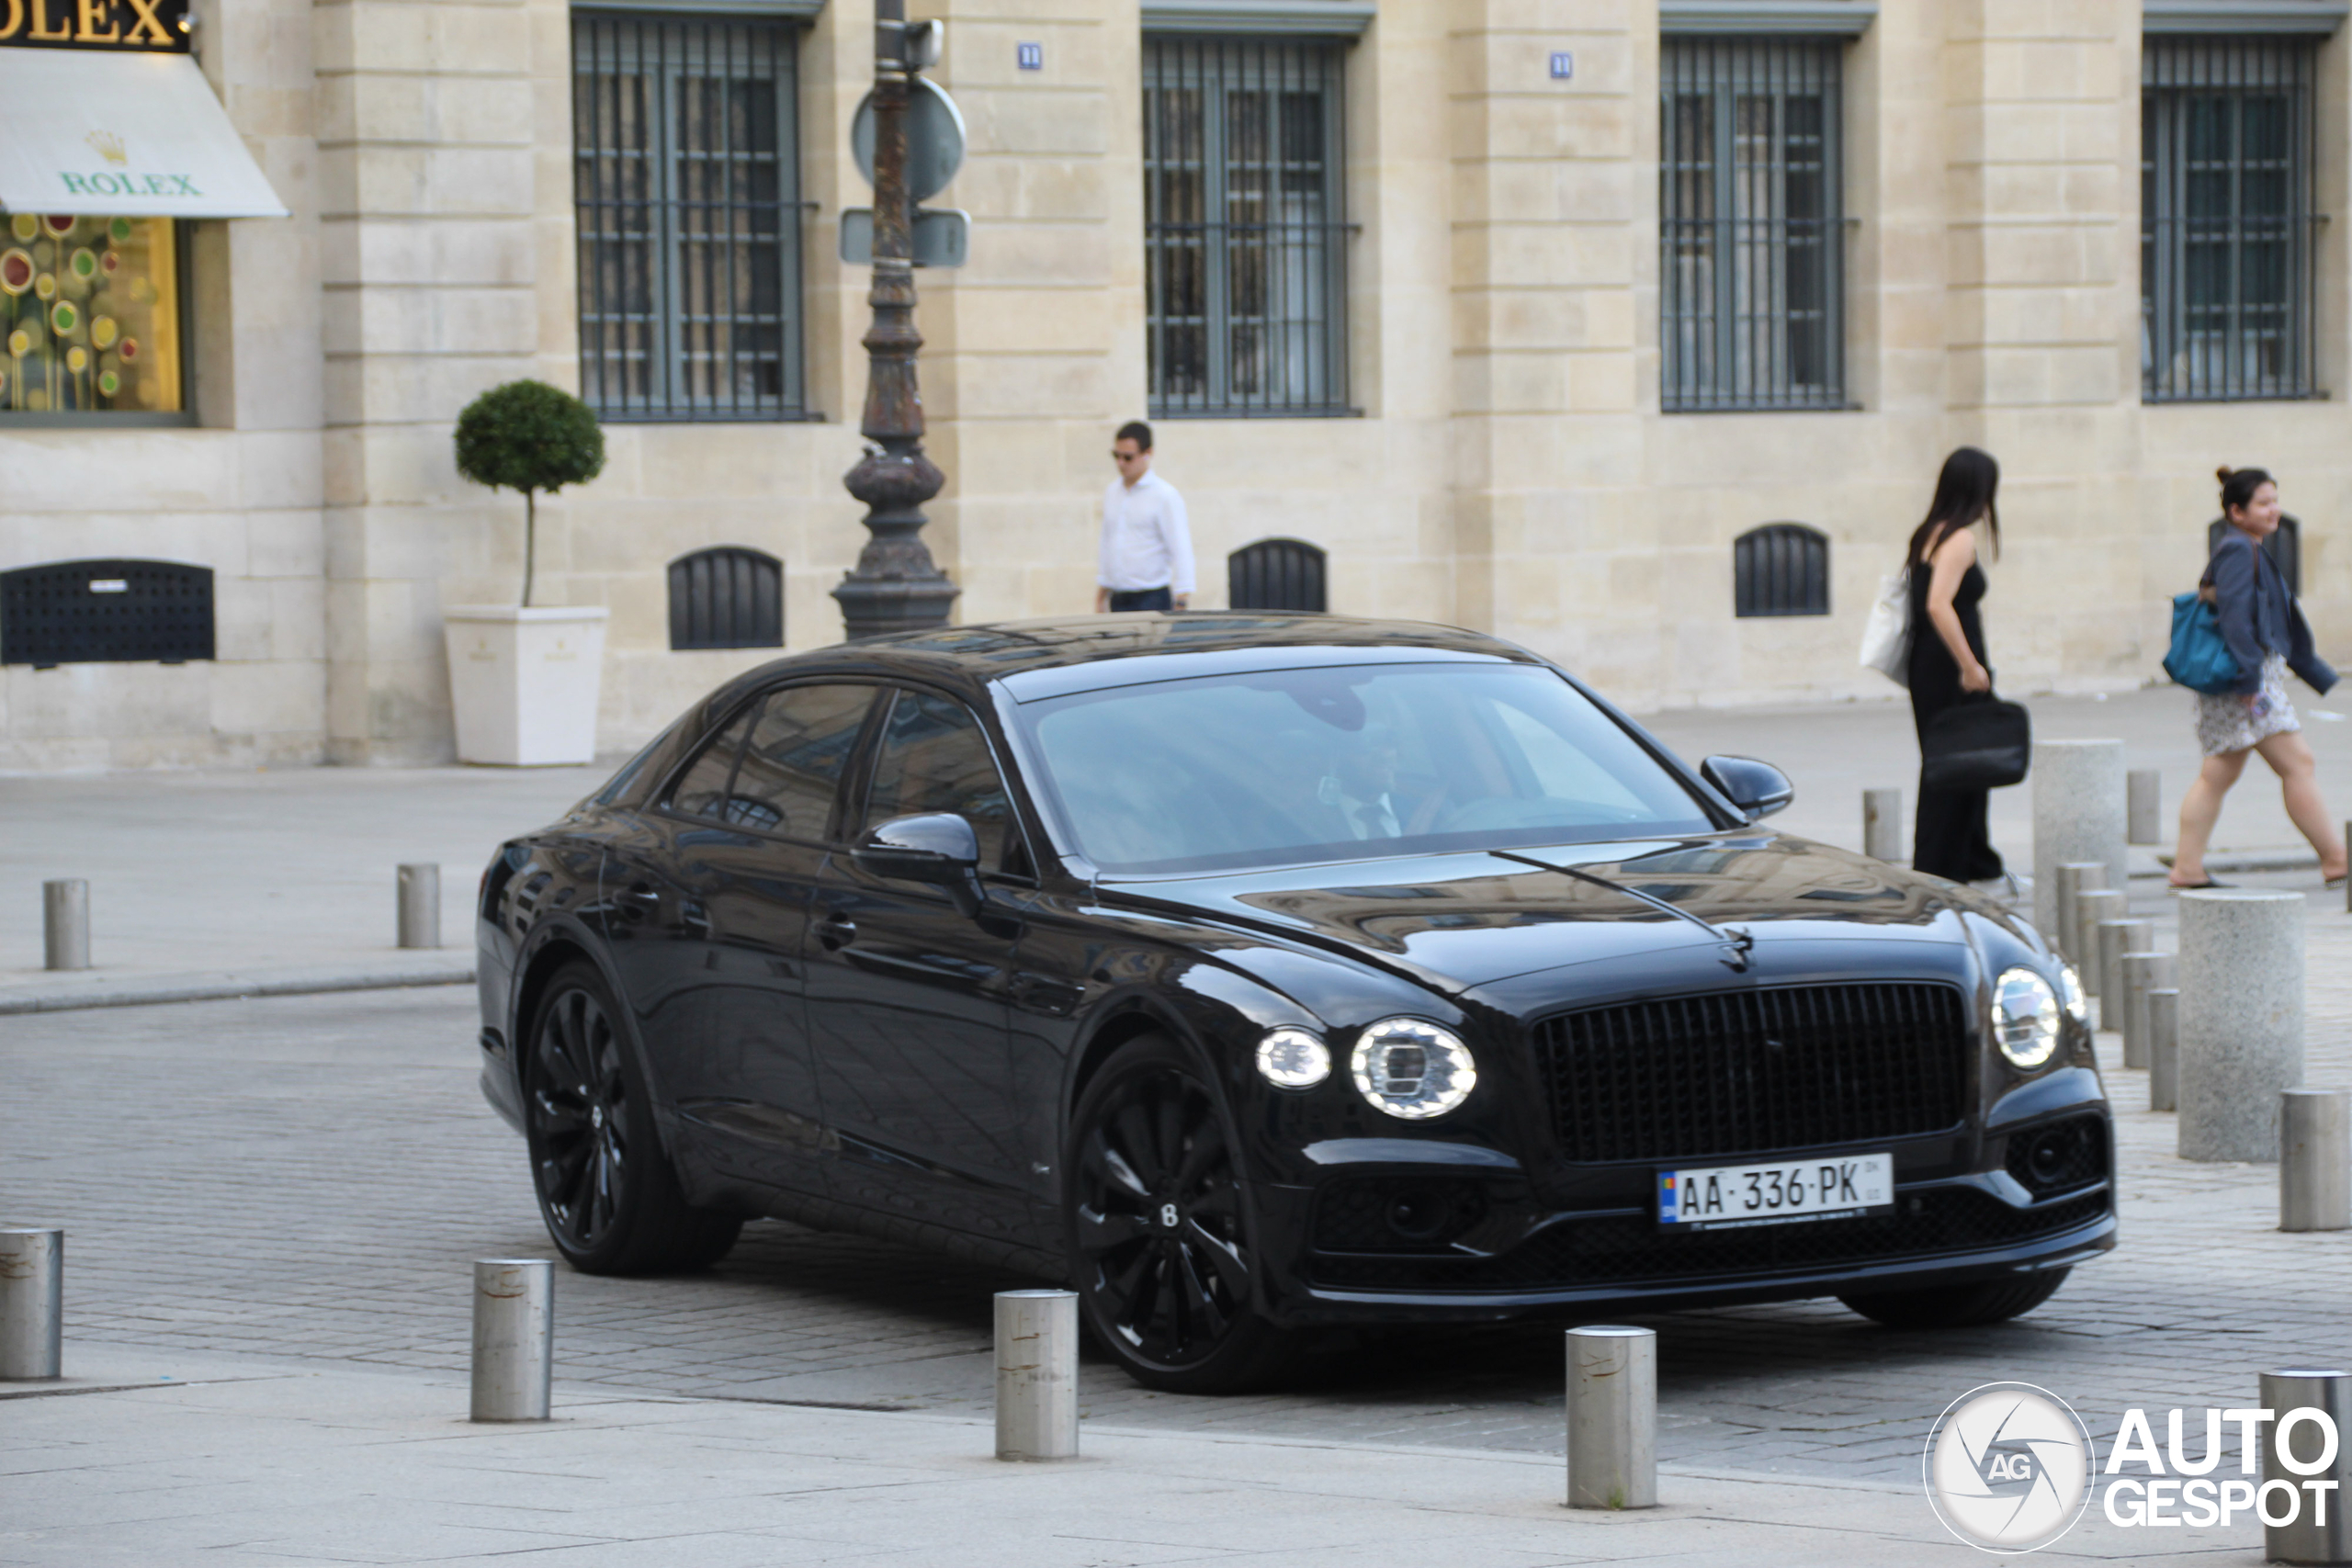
point(1361, 798)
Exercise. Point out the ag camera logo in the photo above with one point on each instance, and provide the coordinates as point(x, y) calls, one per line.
point(2009, 1467)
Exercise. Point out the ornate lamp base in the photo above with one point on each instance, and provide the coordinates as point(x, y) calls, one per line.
point(896, 586)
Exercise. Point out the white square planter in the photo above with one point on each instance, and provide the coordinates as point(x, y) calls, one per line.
point(524, 682)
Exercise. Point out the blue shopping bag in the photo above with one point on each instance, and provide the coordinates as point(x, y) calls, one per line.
point(2199, 658)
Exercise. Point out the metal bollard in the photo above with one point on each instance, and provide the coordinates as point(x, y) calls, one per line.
point(2163, 1049)
point(2315, 1159)
point(2300, 1398)
point(420, 905)
point(2117, 938)
point(32, 1304)
point(1612, 1417)
point(2093, 905)
point(2143, 809)
point(2142, 973)
point(2073, 878)
point(513, 1338)
point(1883, 824)
point(1036, 1374)
point(65, 924)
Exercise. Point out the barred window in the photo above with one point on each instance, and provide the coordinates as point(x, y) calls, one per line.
point(1780, 569)
point(2226, 147)
point(1246, 236)
point(1752, 274)
point(688, 194)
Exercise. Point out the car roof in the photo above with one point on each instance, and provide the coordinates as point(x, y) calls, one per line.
point(1050, 658)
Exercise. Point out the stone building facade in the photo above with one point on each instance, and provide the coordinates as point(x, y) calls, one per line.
point(1525, 314)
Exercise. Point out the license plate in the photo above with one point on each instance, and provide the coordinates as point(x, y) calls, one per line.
point(1721, 1197)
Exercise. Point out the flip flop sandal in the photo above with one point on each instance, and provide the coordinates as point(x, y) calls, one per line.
point(2195, 886)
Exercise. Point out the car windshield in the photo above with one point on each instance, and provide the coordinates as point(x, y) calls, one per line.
point(1283, 766)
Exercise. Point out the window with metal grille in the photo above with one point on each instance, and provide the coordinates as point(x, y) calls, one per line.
point(1275, 574)
point(2226, 218)
point(1780, 569)
point(687, 186)
point(1750, 226)
point(727, 597)
point(1245, 229)
point(2284, 547)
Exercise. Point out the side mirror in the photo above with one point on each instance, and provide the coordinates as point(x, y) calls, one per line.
point(938, 848)
point(1757, 788)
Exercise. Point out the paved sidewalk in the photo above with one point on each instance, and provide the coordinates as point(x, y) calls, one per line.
point(246, 1462)
point(211, 881)
point(231, 883)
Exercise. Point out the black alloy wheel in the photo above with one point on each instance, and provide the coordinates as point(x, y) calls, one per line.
point(606, 1190)
point(1156, 1232)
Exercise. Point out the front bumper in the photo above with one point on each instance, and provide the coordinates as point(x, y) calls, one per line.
point(1497, 1252)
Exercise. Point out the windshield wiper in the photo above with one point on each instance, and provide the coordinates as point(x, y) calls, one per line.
point(1742, 944)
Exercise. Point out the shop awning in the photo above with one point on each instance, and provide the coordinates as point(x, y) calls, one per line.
point(133, 135)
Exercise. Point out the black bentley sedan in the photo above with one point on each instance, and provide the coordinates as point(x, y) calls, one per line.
point(1262, 974)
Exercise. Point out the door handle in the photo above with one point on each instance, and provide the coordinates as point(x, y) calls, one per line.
point(837, 931)
point(1046, 996)
point(638, 902)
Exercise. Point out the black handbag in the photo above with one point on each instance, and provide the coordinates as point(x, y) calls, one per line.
point(1985, 744)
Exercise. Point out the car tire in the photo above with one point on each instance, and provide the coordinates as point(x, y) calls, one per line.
point(1966, 1306)
point(1168, 1299)
point(607, 1190)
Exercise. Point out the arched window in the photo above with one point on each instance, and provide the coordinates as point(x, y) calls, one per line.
point(106, 612)
point(1780, 569)
point(1275, 574)
point(726, 597)
point(2285, 548)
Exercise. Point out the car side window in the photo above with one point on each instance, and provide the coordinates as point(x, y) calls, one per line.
point(934, 757)
point(702, 789)
point(799, 749)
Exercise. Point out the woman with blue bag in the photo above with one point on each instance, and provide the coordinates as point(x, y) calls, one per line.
point(2234, 641)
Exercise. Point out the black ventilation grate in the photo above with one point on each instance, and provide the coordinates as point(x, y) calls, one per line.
point(1276, 574)
point(1781, 569)
point(1748, 1072)
point(727, 597)
point(2284, 547)
point(106, 612)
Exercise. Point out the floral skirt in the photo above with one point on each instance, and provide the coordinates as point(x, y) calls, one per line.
point(2224, 724)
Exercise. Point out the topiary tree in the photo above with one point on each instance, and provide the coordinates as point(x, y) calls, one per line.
point(529, 436)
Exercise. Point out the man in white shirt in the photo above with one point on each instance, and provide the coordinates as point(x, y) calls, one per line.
point(1147, 558)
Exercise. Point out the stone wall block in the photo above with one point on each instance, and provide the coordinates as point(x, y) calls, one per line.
point(240, 619)
point(268, 698)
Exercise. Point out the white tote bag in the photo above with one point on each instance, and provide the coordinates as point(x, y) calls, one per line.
point(1886, 637)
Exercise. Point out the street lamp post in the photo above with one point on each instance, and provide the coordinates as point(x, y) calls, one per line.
point(895, 585)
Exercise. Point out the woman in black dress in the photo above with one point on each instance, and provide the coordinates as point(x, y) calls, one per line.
point(1950, 838)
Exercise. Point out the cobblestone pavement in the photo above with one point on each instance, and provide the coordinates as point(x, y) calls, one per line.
point(311, 1177)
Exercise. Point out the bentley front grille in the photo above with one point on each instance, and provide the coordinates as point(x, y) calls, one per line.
point(1737, 1073)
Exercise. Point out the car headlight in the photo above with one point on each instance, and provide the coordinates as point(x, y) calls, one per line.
point(2025, 1018)
point(1412, 1069)
point(1292, 1058)
point(2070, 991)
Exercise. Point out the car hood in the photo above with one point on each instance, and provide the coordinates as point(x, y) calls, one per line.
point(1474, 917)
